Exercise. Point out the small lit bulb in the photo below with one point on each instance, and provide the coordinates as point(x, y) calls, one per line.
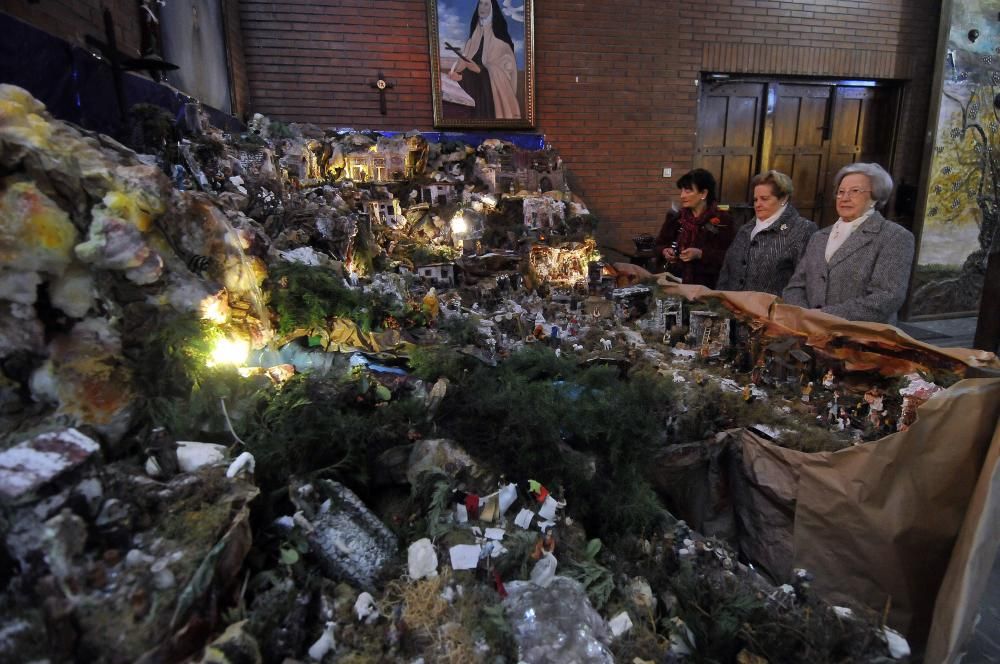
point(458, 224)
point(229, 351)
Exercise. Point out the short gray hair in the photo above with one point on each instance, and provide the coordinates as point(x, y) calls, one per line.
point(880, 179)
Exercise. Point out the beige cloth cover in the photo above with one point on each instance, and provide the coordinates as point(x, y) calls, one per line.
point(912, 519)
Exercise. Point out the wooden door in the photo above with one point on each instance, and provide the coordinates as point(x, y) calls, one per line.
point(729, 129)
point(799, 145)
point(807, 130)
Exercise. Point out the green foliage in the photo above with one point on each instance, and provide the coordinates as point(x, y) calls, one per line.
point(595, 578)
point(522, 415)
point(323, 426)
point(432, 362)
point(306, 297)
point(426, 254)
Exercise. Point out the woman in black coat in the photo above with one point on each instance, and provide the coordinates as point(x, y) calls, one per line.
point(764, 254)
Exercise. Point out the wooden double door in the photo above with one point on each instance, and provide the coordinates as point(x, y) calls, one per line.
point(808, 130)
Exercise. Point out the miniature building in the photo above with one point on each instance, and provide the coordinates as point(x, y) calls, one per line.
point(632, 302)
point(709, 332)
point(786, 361)
point(669, 313)
point(442, 274)
point(437, 193)
point(386, 212)
point(542, 212)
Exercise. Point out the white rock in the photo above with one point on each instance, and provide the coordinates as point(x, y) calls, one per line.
point(135, 559)
point(421, 557)
point(163, 578)
point(620, 624)
point(192, 455)
point(898, 646)
point(324, 644)
point(243, 463)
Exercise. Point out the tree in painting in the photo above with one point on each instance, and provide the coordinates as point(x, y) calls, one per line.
point(961, 215)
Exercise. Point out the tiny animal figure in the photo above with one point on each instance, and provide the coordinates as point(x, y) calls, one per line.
point(606, 344)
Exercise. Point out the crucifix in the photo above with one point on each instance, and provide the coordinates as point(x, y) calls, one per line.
point(121, 63)
point(382, 85)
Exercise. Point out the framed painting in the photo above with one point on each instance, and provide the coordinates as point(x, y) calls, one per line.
point(482, 63)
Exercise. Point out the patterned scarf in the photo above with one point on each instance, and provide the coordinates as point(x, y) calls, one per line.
point(690, 234)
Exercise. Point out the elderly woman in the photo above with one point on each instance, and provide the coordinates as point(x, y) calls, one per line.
point(694, 240)
point(764, 254)
point(859, 268)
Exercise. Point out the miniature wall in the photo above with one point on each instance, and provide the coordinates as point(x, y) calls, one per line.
point(73, 20)
point(616, 86)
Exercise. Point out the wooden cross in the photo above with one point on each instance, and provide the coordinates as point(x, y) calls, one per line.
point(382, 85)
point(120, 62)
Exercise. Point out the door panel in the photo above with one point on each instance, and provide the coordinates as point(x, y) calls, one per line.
point(799, 147)
point(729, 138)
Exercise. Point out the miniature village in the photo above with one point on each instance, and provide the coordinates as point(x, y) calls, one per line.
point(304, 394)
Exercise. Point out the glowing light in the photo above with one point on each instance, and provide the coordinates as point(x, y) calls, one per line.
point(373, 148)
point(458, 224)
point(229, 351)
point(489, 200)
point(215, 308)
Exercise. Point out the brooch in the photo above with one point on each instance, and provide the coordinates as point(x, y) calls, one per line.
point(784, 227)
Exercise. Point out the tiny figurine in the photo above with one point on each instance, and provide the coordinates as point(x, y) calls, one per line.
point(828, 379)
point(833, 408)
point(430, 305)
point(748, 393)
point(544, 544)
point(807, 392)
point(606, 344)
point(843, 420)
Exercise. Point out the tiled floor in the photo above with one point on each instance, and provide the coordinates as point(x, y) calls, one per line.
point(947, 332)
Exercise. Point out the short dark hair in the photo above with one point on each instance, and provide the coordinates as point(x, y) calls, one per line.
point(701, 180)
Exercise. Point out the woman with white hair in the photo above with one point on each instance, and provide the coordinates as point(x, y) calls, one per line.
point(859, 268)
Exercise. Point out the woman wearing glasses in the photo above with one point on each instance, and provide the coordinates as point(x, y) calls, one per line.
point(859, 268)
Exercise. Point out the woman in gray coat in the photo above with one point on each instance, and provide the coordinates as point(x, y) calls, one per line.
point(764, 254)
point(859, 268)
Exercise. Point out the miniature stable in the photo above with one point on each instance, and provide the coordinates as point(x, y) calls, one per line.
point(244, 373)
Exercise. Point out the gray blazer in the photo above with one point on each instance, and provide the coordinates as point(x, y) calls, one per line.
point(865, 280)
point(766, 262)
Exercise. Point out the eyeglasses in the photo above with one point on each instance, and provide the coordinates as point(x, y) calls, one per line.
point(851, 193)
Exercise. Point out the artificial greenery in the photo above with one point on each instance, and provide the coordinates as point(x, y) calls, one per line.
point(306, 297)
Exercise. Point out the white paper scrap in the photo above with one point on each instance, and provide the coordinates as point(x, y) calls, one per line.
point(545, 525)
point(523, 518)
point(620, 624)
point(548, 509)
point(464, 556)
point(498, 550)
point(477, 531)
point(495, 533)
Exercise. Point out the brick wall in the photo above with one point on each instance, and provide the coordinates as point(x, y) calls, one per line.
point(616, 89)
point(311, 61)
point(73, 19)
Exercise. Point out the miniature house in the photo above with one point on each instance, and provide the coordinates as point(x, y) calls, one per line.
point(669, 313)
point(786, 361)
point(439, 274)
point(385, 212)
point(542, 212)
point(437, 193)
point(709, 332)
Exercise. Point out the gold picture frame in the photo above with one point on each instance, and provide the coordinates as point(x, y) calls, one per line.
point(482, 63)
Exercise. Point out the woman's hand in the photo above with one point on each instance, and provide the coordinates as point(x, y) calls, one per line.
point(691, 254)
point(455, 76)
point(669, 254)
